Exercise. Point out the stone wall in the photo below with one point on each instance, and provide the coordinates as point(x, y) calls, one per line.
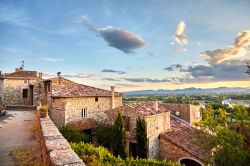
point(1, 90)
point(57, 112)
point(95, 110)
point(156, 124)
point(55, 148)
point(188, 112)
point(170, 151)
point(12, 91)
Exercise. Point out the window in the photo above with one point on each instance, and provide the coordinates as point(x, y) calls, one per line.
point(49, 87)
point(127, 122)
point(96, 99)
point(25, 81)
point(25, 93)
point(84, 113)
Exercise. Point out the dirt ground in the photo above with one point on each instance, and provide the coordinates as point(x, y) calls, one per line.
point(19, 139)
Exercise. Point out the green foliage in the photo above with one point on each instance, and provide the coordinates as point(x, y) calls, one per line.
point(230, 148)
point(100, 156)
point(74, 135)
point(104, 135)
point(119, 141)
point(141, 137)
point(230, 140)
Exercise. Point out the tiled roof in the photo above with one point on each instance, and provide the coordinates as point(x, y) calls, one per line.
point(79, 90)
point(144, 109)
point(184, 135)
point(84, 124)
point(22, 73)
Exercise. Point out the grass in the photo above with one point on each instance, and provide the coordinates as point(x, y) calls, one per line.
point(24, 157)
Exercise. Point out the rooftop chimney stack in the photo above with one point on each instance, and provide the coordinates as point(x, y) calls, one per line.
point(156, 106)
point(40, 75)
point(112, 104)
point(18, 69)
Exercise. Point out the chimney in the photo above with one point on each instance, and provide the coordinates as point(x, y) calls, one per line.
point(155, 106)
point(18, 69)
point(40, 75)
point(112, 103)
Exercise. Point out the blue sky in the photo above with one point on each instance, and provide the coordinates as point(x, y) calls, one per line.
point(140, 44)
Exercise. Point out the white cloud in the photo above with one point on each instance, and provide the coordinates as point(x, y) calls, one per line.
point(50, 59)
point(180, 37)
point(238, 49)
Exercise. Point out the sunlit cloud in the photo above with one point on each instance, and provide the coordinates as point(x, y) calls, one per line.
point(180, 37)
point(238, 49)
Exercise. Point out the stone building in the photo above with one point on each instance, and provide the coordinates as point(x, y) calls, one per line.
point(72, 102)
point(188, 112)
point(169, 137)
point(180, 144)
point(156, 117)
point(14, 87)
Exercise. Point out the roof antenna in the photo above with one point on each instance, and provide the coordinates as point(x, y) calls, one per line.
point(22, 64)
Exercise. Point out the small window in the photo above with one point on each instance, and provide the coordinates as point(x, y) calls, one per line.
point(96, 99)
point(49, 87)
point(25, 81)
point(177, 113)
point(127, 122)
point(25, 93)
point(84, 113)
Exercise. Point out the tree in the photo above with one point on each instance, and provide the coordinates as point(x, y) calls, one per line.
point(141, 138)
point(248, 69)
point(231, 142)
point(119, 141)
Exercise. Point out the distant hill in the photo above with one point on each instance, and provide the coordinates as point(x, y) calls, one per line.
point(192, 90)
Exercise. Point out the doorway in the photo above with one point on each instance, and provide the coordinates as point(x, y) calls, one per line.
point(132, 150)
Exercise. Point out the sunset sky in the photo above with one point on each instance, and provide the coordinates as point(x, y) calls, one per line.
point(132, 44)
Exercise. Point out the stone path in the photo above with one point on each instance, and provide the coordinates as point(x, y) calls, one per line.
point(16, 131)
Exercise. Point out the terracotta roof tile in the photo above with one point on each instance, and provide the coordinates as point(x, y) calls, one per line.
point(79, 90)
point(144, 109)
point(184, 135)
point(22, 73)
point(84, 124)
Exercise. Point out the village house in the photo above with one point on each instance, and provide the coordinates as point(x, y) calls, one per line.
point(14, 87)
point(169, 137)
point(187, 112)
point(72, 102)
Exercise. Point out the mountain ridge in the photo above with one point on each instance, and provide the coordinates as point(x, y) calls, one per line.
point(191, 90)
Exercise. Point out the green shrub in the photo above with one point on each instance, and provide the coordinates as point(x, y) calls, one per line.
point(100, 156)
point(74, 135)
point(104, 135)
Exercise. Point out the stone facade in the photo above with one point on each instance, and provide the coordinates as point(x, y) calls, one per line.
point(170, 151)
point(156, 124)
point(12, 91)
point(65, 110)
point(94, 109)
point(188, 112)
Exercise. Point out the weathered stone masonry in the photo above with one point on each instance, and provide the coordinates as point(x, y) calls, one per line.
point(56, 151)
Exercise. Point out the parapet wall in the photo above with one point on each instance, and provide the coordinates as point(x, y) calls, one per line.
point(55, 148)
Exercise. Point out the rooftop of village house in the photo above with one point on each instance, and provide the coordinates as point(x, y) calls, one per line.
point(80, 90)
point(145, 108)
point(185, 136)
point(21, 73)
